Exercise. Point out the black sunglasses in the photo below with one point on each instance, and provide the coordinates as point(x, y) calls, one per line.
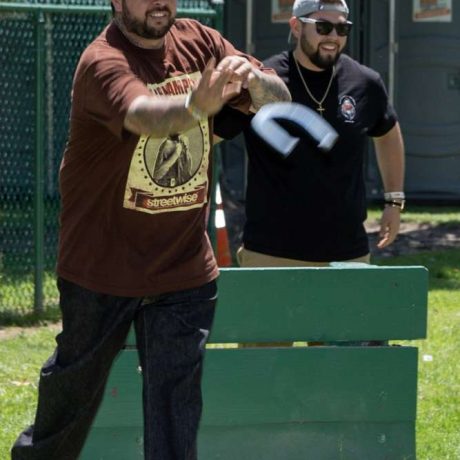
point(325, 27)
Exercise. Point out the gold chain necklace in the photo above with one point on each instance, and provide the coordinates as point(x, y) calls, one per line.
point(320, 108)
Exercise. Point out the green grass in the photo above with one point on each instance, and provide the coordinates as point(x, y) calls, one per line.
point(438, 215)
point(17, 261)
point(17, 298)
point(21, 358)
point(438, 426)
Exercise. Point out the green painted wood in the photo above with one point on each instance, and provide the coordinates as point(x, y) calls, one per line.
point(318, 384)
point(321, 304)
point(294, 403)
point(131, 339)
point(122, 404)
point(293, 441)
point(346, 302)
point(114, 443)
point(284, 385)
point(309, 441)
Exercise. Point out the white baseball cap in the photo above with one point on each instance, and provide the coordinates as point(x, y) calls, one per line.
point(306, 7)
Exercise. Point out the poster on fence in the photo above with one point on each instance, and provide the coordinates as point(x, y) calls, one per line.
point(281, 10)
point(432, 11)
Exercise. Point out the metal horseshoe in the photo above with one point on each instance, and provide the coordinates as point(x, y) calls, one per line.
point(266, 126)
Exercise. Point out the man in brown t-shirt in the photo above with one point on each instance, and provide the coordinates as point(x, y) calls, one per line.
point(135, 187)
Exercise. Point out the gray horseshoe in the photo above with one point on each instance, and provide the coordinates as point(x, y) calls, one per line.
point(265, 125)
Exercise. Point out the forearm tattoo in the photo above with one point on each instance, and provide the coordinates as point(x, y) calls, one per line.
point(267, 89)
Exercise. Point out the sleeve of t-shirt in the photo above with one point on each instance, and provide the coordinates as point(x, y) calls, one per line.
point(108, 87)
point(230, 122)
point(387, 117)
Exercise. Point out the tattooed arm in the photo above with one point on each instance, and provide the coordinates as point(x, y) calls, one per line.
point(263, 87)
point(160, 116)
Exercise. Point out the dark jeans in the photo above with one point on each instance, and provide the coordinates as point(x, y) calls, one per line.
point(171, 333)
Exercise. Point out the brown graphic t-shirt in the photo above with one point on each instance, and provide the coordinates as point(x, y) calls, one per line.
point(134, 208)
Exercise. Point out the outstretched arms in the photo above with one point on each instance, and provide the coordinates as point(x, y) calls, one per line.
point(159, 116)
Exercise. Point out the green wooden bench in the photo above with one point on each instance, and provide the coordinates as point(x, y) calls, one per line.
point(294, 403)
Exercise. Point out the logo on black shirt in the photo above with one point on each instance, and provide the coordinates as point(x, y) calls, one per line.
point(348, 108)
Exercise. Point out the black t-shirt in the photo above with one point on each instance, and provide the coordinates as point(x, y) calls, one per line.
point(312, 205)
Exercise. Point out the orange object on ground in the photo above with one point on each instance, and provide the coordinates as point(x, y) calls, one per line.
point(223, 253)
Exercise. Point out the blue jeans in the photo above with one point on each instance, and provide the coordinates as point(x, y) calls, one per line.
point(171, 333)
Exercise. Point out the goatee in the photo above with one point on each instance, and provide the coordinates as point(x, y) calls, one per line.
point(315, 56)
point(142, 28)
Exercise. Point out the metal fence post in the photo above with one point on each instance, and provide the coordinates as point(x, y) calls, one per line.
point(39, 213)
point(219, 8)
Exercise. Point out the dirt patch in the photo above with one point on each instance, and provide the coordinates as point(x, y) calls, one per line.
point(415, 237)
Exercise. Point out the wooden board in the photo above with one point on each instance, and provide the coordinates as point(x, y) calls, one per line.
point(320, 304)
point(294, 441)
point(294, 403)
point(274, 386)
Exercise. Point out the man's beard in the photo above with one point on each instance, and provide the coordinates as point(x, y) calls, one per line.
point(141, 28)
point(323, 62)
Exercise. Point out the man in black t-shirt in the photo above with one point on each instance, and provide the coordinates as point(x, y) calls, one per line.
point(309, 209)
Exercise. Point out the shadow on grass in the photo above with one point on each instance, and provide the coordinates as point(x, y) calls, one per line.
point(415, 238)
point(9, 318)
point(443, 266)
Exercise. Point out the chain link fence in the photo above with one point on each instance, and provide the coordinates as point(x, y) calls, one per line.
point(40, 44)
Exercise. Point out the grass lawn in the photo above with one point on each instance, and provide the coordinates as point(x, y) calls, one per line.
point(23, 351)
point(438, 215)
point(438, 421)
point(21, 358)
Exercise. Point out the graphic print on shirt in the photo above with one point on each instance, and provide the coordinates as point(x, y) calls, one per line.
point(348, 108)
point(170, 174)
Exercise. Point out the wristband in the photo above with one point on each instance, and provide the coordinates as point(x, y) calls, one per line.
point(389, 196)
point(194, 111)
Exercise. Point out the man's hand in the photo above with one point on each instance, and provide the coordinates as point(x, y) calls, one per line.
point(389, 226)
point(213, 89)
point(242, 70)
